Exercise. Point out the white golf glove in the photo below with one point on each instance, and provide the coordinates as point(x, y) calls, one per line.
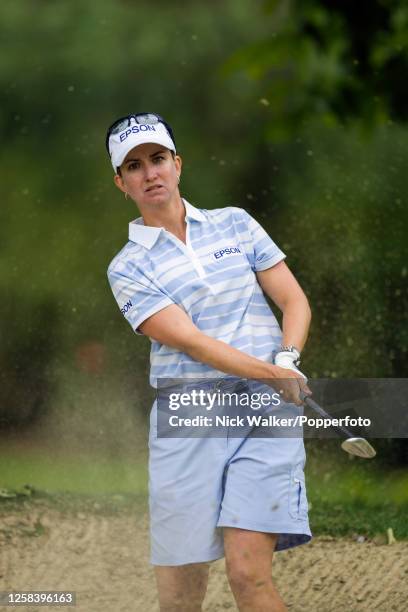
point(286, 359)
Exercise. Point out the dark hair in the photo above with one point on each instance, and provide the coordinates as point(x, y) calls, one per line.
point(118, 171)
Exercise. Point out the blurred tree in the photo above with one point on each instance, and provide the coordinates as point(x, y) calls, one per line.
point(29, 344)
point(322, 66)
point(339, 60)
point(63, 79)
point(271, 137)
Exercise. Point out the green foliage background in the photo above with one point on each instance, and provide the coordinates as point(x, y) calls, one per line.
point(292, 110)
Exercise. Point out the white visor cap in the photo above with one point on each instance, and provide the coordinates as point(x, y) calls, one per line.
point(134, 135)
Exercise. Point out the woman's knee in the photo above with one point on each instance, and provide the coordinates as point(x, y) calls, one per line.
point(182, 587)
point(245, 576)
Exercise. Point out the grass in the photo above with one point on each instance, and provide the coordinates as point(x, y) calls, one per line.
point(359, 519)
point(81, 475)
point(351, 496)
point(346, 497)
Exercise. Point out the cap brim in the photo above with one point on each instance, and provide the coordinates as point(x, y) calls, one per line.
point(135, 140)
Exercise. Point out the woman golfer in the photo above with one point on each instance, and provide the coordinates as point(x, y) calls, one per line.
point(194, 281)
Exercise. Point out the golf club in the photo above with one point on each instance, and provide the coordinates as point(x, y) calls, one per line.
point(352, 445)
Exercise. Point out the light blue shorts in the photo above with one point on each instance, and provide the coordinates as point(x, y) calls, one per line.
point(199, 485)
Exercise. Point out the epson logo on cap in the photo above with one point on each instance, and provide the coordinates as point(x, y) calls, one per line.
point(226, 251)
point(141, 127)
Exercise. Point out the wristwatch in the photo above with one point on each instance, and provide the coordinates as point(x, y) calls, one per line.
point(291, 349)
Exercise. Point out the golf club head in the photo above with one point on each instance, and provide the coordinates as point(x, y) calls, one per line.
point(359, 447)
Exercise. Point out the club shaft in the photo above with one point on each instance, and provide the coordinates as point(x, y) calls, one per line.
point(315, 406)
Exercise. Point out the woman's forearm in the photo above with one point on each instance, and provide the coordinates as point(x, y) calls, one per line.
point(296, 322)
point(221, 356)
point(226, 358)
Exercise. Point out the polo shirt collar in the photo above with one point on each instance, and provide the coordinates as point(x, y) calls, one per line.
point(147, 235)
point(193, 213)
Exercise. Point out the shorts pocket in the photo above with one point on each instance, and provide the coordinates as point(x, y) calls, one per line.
point(297, 493)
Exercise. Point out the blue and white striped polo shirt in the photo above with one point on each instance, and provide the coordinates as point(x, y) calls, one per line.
point(211, 277)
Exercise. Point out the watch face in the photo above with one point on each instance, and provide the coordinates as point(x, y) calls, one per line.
point(291, 349)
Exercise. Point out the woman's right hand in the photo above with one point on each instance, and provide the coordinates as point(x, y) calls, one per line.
point(289, 383)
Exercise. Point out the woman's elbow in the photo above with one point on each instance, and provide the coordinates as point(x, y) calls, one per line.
point(299, 303)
